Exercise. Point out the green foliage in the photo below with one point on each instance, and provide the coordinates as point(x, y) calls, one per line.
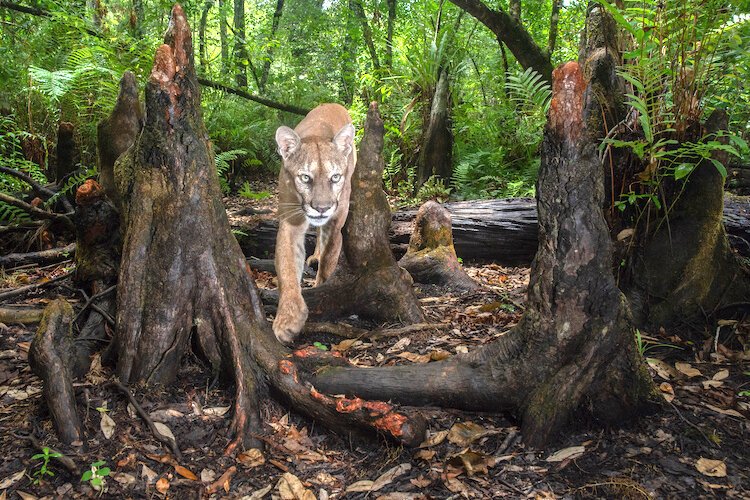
point(246, 191)
point(433, 189)
point(530, 92)
point(96, 475)
point(42, 469)
point(676, 56)
point(72, 182)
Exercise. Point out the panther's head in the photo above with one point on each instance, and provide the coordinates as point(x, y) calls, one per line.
point(319, 169)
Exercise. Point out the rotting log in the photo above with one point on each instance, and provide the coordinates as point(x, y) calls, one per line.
point(573, 352)
point(431, 257)
point(502, 231)
point(181, 258)
point(42, 257)
point(116, 133)
point(50, 358)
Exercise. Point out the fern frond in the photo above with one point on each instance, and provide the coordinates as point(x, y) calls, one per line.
point(529, 90)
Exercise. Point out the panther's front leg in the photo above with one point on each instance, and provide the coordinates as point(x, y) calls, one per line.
point(290, 258)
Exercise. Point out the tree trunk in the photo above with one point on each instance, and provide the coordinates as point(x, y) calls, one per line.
point(684, 268)
point(223, 37)
point(436, 150)
point(512, 33)
point(573, 350)
point(67, 153)
point(348, 60)
point(115, 134)
point(359, 11)
point(202, 54)
point(554, 19)
point(181, 259)
point(138, 17)
point(240, 44)
point(271, 41)
point(391, 23)
point(367, 280)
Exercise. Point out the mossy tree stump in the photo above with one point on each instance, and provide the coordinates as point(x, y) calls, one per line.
point(431, 257)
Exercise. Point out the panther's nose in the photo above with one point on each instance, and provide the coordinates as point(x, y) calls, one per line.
point(322, 209)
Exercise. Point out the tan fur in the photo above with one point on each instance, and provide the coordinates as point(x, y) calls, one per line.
point(320, 148)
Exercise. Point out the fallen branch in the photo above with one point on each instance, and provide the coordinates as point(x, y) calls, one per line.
point(24, 289)
point(37, 188)
point(171, 443)
point(20, 314)
point(43, 257)
point(37, 212)
point(55, 454)
point(224, 479)
point(289, 108)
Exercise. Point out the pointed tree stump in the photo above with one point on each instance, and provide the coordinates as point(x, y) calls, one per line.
point(368, 281)
point(184, 283)
point(431, 257)
point(116, 133)
point(573, 351)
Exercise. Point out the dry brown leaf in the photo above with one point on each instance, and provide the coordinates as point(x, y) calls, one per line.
point(359, 486)
point(164, 430)
point(148, 474)
point(730, 412)
point(124, 478)
point(291, 488)
point(439, 355)
point(421, 481)
point(217, 411)
point(425, 455)
point(473, 462)
point(127, 461)
point(414, 357)
point(667, 391)
point(184, 472)
point(711, 468)
point(26, 496)
point(721, 375)
point(11, 480)
point(345, 345)
point(625, 233)
point(465, 433)
point(712, 384)
point(399, 346)
point(258, 494)
point(162, 485)
point(391, 474)
point(662, 369)
point(208, 475)
point(566, 453)
point(434, 439)
point(456, 486)
point(687, 369)
point(21, 394)
point(251, 458)
point(107, 425)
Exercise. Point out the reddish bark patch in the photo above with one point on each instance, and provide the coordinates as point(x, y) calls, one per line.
point(287, 368)
point(565, 111)
point(89, 192)
point(346, 405)
point(393, 423)
point(319, 396)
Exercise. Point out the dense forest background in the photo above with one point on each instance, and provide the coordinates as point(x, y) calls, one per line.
point(62, 62)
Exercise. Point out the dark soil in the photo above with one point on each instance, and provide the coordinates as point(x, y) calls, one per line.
point(468, 454)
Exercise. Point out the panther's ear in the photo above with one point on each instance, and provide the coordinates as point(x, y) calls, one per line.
point(344, 139)
point(288, 141)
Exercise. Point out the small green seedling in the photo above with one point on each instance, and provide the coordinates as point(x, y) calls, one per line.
point(43, 469)
point(320, 346)
point(95, 475)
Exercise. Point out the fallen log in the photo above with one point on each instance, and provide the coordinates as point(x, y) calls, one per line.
point(42, 257)
point(503, 231)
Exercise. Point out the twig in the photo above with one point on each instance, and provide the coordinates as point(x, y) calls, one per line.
point(22, 290)
point(171, 443)
point(694, 426)
point(66, 461)
point(36, 187)
point(89, 302)
point(224, 479)
point(51, 255)
point(37, 212)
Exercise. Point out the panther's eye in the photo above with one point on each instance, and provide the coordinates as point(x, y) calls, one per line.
point(335, 178)
point(305, 178)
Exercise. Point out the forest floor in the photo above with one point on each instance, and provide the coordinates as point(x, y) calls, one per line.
point(696, 446)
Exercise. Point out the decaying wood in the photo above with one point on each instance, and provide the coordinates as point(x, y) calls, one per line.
point(502, 231)
point(573, 349)
point(42, 257)
point(20, 314)
point(50, 357)
point(431, 257)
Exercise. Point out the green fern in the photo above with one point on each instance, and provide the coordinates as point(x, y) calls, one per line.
point(529, 90)
point(223, 166)
point(52, 84)
point(10, 214)
point(72, 183)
